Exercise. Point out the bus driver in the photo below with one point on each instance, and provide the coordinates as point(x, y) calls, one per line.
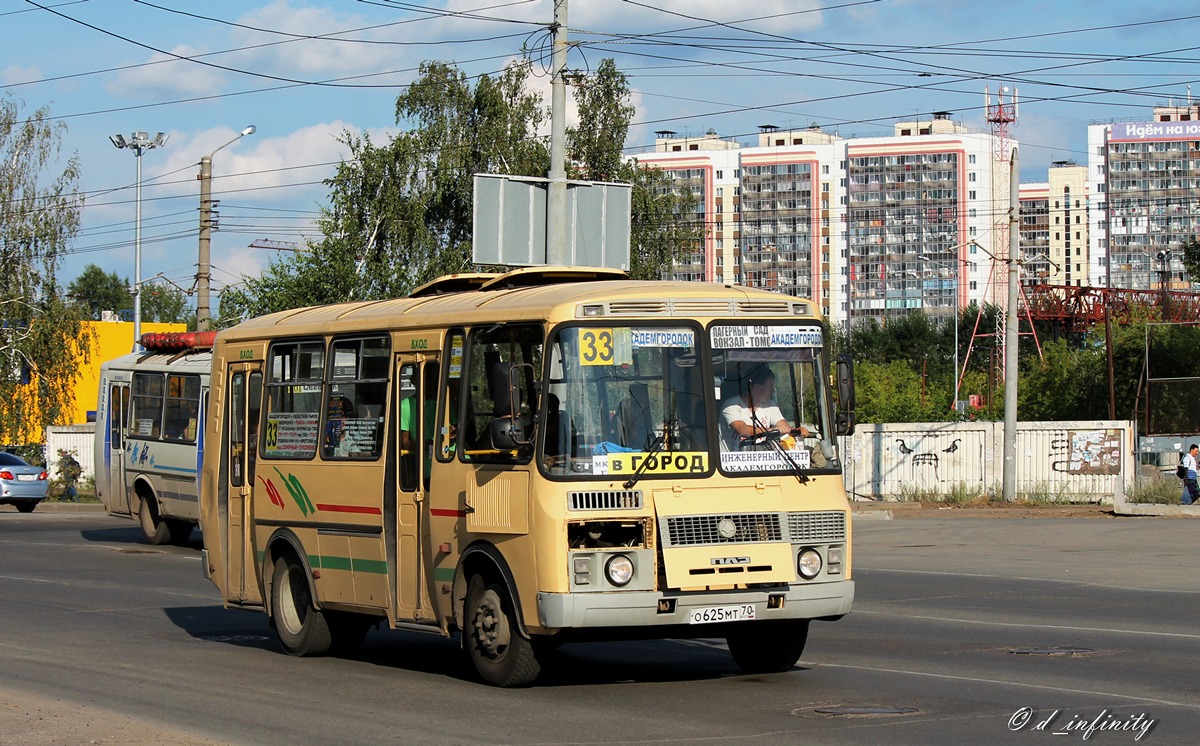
point(754, 412)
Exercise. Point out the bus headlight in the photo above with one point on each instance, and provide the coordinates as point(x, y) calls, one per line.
point(808, 563)
point(619, 570)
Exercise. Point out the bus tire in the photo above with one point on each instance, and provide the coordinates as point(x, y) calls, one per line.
point(154, 529)
point(501, 656)
point(180, 531)
point(774, 648)
point(303, 629)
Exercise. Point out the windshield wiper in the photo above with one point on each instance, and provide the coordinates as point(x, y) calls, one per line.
point(773, 437)
point(660, 442)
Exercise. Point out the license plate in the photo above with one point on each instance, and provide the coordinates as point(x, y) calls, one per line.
point(26, 477)
point(710, 614)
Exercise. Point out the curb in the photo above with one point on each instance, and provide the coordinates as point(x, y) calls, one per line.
point(49, 507)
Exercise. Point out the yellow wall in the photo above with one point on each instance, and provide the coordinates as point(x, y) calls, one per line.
point(113, 339)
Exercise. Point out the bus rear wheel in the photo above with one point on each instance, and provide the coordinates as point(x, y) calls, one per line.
point(501, 656)
point(302, 628)
point(768, 648)
point(154, 529)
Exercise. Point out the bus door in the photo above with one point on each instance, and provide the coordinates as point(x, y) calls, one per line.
point(244, 405)
point(416, 384)
point(115, 493)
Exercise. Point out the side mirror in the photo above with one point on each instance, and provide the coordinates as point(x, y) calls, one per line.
point(508, 433)
point(844, 419)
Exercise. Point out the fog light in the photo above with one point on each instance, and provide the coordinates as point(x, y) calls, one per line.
point(619, 570)
point(808, 563)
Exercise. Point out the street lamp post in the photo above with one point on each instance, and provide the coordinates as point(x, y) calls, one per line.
point(138, 142)
point(203, 273)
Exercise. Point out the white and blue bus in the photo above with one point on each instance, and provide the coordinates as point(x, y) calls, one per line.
point(150, 434)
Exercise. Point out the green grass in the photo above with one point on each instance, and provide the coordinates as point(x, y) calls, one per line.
point(962, 494)
point(1156, 488)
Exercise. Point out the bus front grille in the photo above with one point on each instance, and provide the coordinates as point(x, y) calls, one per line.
point(741, 528)
point(816, 527)
point(813, 527)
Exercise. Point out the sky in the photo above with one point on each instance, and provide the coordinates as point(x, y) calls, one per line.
point(305, 72)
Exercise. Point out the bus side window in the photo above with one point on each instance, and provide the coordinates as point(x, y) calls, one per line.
point(408, 427)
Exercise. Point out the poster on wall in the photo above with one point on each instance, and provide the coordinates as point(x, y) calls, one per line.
point(1095, 452)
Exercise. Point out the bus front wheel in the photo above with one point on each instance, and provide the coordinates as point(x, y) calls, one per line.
point(302, 628)
point(774, 648)
point(498, 651)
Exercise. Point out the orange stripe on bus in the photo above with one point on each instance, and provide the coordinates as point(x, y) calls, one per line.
point(349, 509)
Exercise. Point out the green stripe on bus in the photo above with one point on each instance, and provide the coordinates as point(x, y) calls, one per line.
point(443, 574)
point(330, 562)
point(349, 564)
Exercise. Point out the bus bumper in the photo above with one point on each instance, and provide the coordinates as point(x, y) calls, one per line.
point(653, 608)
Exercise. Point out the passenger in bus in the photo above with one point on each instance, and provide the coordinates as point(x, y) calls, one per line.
point(337, 437)
point(632, 420)
point(754, 411)
point(408, 420)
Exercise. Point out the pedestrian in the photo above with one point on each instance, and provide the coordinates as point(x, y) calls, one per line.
point(1191, 491)
point(69, 472)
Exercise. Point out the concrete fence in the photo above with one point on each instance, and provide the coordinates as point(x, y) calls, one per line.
point(1082, 460)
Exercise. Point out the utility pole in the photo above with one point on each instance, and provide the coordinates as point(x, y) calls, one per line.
point(1010, 336)
point(556, 193)
point(203, 272)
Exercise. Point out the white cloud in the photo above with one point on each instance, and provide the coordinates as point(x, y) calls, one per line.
point(348, 54)
point(271, 172)
point(778, 16)
point(16, 75)
point(165, 76)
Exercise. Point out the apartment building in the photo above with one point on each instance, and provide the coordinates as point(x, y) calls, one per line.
point(1147, 175)
point(1055, 224)
point(866, 226)
point(708, 167)
point(921, 224)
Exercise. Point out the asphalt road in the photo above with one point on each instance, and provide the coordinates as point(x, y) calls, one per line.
point(964, 631)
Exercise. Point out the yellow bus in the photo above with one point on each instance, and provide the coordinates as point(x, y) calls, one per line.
point(547, 455)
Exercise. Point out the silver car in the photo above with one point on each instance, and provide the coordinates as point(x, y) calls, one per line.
point(21, 485)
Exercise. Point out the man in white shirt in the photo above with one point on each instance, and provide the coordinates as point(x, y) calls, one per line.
point(755, 411)
point(1191, 491)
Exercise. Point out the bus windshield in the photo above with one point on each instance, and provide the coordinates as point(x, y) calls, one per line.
point(617, 393)
point(773, 407)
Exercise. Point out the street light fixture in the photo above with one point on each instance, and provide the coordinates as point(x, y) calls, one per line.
point(203, 274)
point(138, 142)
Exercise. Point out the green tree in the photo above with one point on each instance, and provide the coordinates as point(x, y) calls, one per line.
point(400, 212)
point(42, 338)
point(664, 225)
point(1191, 258)
point(166, 304)
point(100, 291)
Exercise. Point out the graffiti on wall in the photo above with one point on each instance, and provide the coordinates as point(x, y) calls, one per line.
point(929, 457)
